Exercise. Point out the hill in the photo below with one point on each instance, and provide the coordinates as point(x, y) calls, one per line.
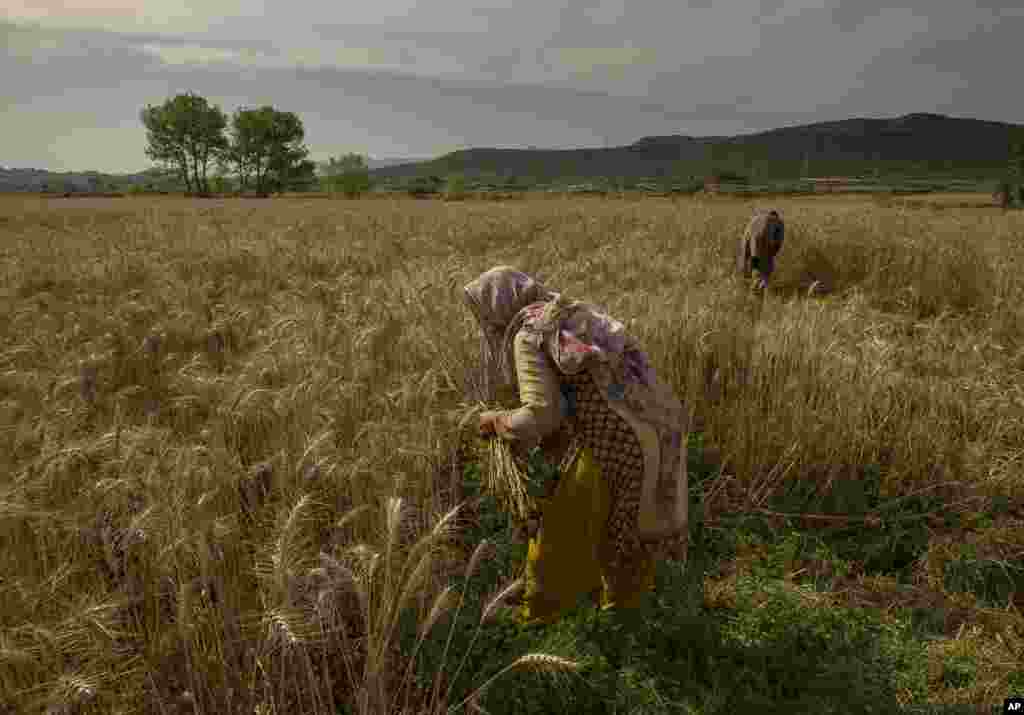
point(321, 166)
point(914, 144)
point(13, 180)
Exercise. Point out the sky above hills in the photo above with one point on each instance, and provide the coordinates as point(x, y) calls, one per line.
point(397, 78)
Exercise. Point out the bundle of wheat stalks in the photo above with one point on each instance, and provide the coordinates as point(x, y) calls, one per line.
point(503, 476)
point(507, 481)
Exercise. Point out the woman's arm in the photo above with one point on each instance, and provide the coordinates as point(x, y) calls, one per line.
point(540, 413)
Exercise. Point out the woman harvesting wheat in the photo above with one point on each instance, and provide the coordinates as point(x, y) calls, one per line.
point(621, 500)
point(759, 246)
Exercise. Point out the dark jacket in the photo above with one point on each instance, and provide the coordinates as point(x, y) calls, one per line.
point(763, 239)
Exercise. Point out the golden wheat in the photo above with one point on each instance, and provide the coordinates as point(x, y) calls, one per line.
point(206, 406)
point(541, 663)
point(506, 480)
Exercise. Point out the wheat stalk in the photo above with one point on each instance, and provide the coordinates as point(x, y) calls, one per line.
point(536, 662)
point(502, 475)
point(495, 603)
point(504, 478)
point(492, 606)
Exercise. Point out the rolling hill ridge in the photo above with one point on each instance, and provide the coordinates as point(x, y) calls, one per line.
point(912, 144)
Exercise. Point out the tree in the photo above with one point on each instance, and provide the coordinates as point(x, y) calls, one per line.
point(234, 160)
point(455, 187)
point(1013, 186)
point(219, 184)
point(516, 183)
point(290, 169)
point(266, 150)
point(349, 175)
point(303, 176)
point(186, 133)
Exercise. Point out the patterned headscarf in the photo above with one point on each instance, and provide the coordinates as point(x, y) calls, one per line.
point(496, 298)
point(578, 334)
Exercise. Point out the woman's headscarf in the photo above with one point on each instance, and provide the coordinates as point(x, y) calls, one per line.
point(496, 298)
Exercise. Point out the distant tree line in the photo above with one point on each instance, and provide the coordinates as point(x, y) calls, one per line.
point(1011, 189)
point(348, 175)
point(261, 150)
point(262, 147)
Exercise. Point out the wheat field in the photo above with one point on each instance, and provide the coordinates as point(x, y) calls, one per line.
point(227, 427)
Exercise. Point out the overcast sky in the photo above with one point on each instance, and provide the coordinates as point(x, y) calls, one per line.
point(397, 78)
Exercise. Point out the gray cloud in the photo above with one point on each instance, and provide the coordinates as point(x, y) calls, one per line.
point(403, 77)
point(990, 47)
point(849, 16)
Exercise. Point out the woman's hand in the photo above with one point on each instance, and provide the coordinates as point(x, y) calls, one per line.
point(488, 423)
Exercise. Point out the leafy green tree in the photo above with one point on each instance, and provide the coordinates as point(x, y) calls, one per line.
point(292, 170)
point(348, 175)
point(186, 133)
point(455, 186)
point(266, 150)
point(234, 161)
point(220, 184)
point(1013, 187)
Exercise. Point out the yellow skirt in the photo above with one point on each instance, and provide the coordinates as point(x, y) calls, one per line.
point(569, 557)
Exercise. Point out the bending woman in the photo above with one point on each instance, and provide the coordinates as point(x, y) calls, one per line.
point(621, 501)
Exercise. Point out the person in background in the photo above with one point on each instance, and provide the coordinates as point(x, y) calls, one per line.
point(621, 500)
point(761, 243)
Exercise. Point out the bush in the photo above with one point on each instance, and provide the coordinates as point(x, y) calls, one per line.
point(351, 184)
point(728, 176)
point(424, 186)
point(455, 187)
point(348, 175)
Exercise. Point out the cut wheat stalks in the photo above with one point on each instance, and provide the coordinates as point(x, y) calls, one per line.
point(502, 475)
point(506, 480)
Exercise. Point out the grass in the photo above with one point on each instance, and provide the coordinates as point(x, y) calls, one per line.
point(227, 434)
